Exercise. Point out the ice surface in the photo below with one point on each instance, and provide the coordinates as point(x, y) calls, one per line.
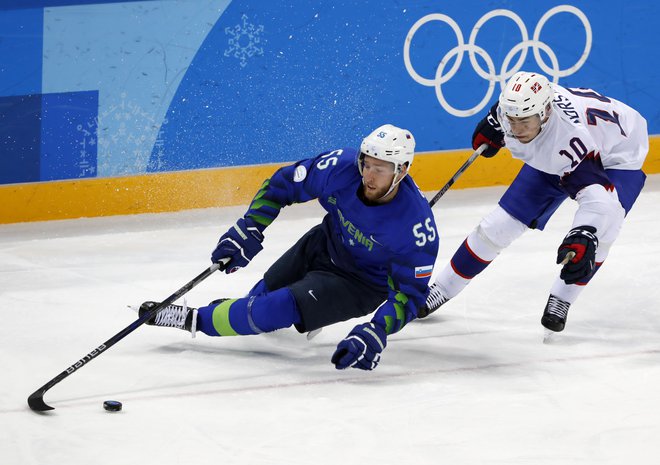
point(473, 384)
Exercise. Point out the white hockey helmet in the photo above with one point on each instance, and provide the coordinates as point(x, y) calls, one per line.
point(391, 144)
point(526, 94)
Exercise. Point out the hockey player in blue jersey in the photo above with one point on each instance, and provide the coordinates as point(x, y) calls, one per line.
point(374, 249)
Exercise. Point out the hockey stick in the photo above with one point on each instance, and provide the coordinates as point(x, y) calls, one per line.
point(569, 256)
point(36, 399)
point(441, 192)
point(458, 173)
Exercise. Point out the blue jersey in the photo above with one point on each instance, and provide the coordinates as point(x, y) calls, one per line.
point(393, 245)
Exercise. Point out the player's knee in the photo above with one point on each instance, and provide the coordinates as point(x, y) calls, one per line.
point(259, 288)
point(273, 310)
point(611, 232)
point(603, 251)
point(495, 232)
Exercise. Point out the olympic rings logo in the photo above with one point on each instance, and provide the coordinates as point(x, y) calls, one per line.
point(552, 71)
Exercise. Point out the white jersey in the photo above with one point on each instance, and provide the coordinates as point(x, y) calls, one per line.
point(583, 123)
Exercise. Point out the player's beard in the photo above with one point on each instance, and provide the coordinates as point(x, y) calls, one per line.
point(373, 195)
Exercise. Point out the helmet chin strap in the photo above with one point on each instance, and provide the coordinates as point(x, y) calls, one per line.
point(394, 184)
point(544, 123)
point(397, 171)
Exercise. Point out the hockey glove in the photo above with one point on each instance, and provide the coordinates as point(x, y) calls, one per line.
point(361, 348)
point(240, 244)
point(582, 241)
point(488, 131)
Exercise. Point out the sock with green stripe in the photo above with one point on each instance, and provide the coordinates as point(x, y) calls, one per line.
point(253, 314)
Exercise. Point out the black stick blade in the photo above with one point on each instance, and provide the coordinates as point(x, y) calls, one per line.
point(36, 402)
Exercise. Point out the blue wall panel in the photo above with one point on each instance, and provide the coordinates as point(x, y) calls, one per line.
point(135, 54)
point(280, 82)
point(21, 4)
point(277, 81)
point(184, 84)
point(20, 133)
point(69, 135)
point(21, 44)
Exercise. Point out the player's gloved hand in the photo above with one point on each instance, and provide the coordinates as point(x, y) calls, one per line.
point(489, 131)
point(240, 244)
point(361, 348)
point(582, 241)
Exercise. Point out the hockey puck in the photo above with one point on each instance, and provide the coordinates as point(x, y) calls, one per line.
point(112, 405)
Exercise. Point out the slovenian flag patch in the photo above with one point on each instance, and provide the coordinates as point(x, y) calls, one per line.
point(423, 271)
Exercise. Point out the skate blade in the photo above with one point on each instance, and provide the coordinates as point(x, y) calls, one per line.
point(312, 334)
point(549, 336)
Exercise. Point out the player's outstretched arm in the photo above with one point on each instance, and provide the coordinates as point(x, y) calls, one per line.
point(239, 245)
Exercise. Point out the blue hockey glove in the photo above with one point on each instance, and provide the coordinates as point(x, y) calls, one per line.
point(240, 244)
point(582, 241)
point(361, 348)
point(489, 132)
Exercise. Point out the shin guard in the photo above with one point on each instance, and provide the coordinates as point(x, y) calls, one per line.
point(254, 314)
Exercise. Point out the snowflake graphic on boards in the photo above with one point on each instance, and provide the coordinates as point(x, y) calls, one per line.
point(133, 127)
point(87, 148)
point(244, 40)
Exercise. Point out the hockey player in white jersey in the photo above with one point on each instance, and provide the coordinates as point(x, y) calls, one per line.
point(575, 143)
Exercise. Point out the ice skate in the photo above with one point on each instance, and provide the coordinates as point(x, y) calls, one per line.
point(554, 316)
point(434, 301)
point(312, 334)
point(175, 316)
